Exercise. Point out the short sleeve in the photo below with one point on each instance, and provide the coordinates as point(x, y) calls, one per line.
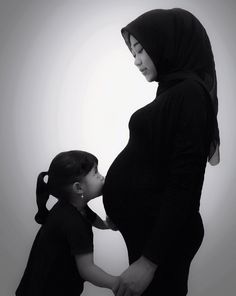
point(79, 234)
point(90, 214)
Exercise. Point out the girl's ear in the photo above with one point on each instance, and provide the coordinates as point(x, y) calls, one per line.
point(77, 188)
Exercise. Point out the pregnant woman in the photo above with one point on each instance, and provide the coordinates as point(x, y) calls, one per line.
point(152, 189)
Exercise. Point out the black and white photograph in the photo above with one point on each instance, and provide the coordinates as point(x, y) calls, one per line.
point(117, 172)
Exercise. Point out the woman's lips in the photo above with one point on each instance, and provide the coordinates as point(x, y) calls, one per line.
point(143, 71)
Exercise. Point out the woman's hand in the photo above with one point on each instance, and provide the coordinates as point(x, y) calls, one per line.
point(136, 278)
point(115, 285)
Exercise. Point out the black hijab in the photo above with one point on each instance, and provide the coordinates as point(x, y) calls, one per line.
point(179, 47)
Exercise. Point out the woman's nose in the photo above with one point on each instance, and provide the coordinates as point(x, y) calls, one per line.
point(137, 61)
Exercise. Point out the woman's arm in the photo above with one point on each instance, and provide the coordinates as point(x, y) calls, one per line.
point(137, 277)
point(94, 274)
point(187, 141)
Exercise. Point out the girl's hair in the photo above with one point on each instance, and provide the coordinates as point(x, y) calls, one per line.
point(66, 168)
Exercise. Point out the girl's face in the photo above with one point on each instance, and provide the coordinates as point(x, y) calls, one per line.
point(92, 184)
point(142, 60)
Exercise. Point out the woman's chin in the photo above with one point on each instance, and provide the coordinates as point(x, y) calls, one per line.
point(150, 78)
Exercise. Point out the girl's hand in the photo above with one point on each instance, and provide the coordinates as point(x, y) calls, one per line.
point(110, 224)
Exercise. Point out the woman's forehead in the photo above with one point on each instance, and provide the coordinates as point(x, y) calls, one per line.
point(133, 41)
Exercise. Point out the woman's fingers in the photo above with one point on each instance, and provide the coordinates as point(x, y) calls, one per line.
point(129, 293)
point(124, 291)
point(136, 278)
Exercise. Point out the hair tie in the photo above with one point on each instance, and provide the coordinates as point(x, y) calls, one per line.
point(44, 174)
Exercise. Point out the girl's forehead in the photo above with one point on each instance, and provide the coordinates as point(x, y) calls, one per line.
point(94, 167)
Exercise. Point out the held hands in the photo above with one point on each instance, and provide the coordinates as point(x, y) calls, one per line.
point(115, 284)
point(136, 278)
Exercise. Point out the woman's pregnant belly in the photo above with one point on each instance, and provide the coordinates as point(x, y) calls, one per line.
point(131, 185)
point(118, 189)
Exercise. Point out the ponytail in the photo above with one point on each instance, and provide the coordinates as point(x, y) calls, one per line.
point(65, 168)
point(42, 196)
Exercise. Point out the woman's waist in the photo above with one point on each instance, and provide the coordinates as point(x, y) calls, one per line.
point(133, 185)
point(147, 202)
point(135, 203)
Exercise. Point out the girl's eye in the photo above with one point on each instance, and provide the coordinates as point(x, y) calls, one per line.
point(140, 50)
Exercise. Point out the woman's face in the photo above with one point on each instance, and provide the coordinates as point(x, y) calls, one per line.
point(142, 60)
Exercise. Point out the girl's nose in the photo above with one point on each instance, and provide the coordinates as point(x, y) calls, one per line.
point(102, 178)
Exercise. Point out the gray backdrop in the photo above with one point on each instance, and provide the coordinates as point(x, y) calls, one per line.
point(67, 81)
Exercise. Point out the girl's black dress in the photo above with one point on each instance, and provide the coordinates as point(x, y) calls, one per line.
point(51, 269)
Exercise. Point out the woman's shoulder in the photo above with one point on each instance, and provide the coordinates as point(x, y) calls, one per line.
point(188, 95)
point(192, 98)
point(188, 87)
point(188, 92)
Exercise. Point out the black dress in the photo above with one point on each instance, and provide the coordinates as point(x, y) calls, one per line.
point(152, 189)
point(51, 269)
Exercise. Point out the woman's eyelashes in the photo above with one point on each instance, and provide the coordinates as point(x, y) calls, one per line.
point(140, 50)
point(133, 53)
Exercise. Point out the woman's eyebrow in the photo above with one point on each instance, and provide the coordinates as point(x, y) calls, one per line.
point(133, 45)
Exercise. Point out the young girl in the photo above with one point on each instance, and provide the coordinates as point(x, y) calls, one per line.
point(61, 258)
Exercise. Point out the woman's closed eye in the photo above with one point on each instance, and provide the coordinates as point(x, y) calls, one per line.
point(140, 50)
point(133, 53)
point(137, 50)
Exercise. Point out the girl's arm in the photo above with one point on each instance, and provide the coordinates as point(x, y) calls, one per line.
point(95, 219)
point(94, 274)
point(107, 224)
point(99, 223)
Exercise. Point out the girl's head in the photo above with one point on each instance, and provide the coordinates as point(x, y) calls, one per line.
point(72, 177)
